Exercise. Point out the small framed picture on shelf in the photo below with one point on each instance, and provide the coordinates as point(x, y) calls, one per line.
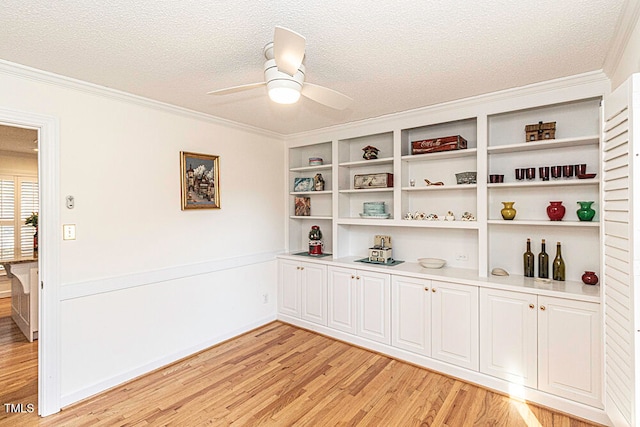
point(302, 184)
point(303, 206)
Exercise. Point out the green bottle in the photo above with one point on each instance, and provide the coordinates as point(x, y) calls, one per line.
point(528, 261)
point(543, 262)
point(558, 265)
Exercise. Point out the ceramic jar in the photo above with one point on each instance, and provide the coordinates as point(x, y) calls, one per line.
point(555, 211)
point(508, 212)
point(586, 212)
point(589, 278)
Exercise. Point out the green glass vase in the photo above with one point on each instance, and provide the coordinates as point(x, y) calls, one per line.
point(586, 212)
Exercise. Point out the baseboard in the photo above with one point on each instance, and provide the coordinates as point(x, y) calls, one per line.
point(117, 380)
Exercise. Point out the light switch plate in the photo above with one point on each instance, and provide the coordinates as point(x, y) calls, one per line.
point(69, 232)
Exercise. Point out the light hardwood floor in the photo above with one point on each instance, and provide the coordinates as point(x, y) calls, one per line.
point(276, 375)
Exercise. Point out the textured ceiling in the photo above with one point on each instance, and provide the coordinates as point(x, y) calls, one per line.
point(18, 140)
point(388, 56)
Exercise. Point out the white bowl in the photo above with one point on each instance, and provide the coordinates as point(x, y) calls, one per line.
point(432, 262)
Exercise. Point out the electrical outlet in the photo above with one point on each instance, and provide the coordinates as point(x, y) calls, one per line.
point(265, 298)
point(462, 257)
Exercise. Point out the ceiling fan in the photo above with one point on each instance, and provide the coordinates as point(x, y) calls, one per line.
point(284, 74)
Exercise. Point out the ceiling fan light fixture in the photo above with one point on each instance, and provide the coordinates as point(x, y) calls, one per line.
point(284, 94)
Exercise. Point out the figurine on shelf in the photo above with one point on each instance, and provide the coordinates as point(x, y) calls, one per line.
point(370, 152)
point(450, 216)
point(433, 183)
point(419, 215)
point(432, 217)
point(315, 241)
point(408, 216)
point(467, 216)
point(318, 182)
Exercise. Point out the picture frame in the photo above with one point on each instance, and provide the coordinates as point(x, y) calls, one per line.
point(199, 181)
point(303, 206)
point(303, 184)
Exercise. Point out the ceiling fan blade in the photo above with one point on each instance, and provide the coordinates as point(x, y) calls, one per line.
point(288, 50)
point(235, 89)
point(326, 96)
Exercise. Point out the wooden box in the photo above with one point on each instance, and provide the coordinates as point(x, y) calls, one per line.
point(540, 131)
point(435, 145)
point(373, 180)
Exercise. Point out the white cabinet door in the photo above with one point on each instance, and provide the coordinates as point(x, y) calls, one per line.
point(454, 330)
point(313, 281)
point(288, 288)
point(374, 306)
point(569, 346)
point(411, 314)
point(342, 299)
point(508, 336)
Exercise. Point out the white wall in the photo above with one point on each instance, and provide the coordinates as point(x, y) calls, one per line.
point(145, 283)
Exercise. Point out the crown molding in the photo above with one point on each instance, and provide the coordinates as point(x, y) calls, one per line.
point(627, 20)
point(597, 80)
point(23, 71)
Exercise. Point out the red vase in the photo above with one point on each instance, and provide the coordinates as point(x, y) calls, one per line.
point(555, 211)
point(589, 278)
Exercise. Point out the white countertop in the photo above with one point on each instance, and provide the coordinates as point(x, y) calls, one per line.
point(567, 289)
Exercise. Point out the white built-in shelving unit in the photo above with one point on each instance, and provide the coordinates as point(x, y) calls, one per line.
point(496, 144)
point(409, 299)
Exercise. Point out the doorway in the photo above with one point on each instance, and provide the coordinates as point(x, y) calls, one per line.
point(49, 237)
point(19, 209)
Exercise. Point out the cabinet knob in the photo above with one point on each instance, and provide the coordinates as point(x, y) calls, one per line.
point(357, 277)
point(301, 268)
point(298, 268)
point(353, 277)
point(433, 289)
point(426, 289)
point(531, 306)
point(543, 308)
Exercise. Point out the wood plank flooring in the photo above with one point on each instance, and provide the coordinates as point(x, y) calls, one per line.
point(277, 375)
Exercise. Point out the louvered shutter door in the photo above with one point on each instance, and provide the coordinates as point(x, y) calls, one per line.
point(621, 252)
point(28, 205)
point(7, 218)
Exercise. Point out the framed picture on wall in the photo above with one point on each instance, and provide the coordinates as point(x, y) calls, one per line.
point(200, 181)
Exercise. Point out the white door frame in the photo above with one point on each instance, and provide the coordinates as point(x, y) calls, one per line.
point(50, 234)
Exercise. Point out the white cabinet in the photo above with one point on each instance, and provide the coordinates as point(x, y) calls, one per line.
point(342, 299)
point(508, 336)
point(545, 342)
point(302, 290)
point(360, 303)
point(436, 319)
point(569, 353)
point(454, 327)
point(373, 306)
point(411, 314)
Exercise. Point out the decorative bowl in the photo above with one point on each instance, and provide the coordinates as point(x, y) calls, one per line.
point(466, 177)
point(431, 262)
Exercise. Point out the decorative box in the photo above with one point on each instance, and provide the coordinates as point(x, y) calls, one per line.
point(373, 180)
point(466, 178)
point(435, 145)
point(540, 131)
